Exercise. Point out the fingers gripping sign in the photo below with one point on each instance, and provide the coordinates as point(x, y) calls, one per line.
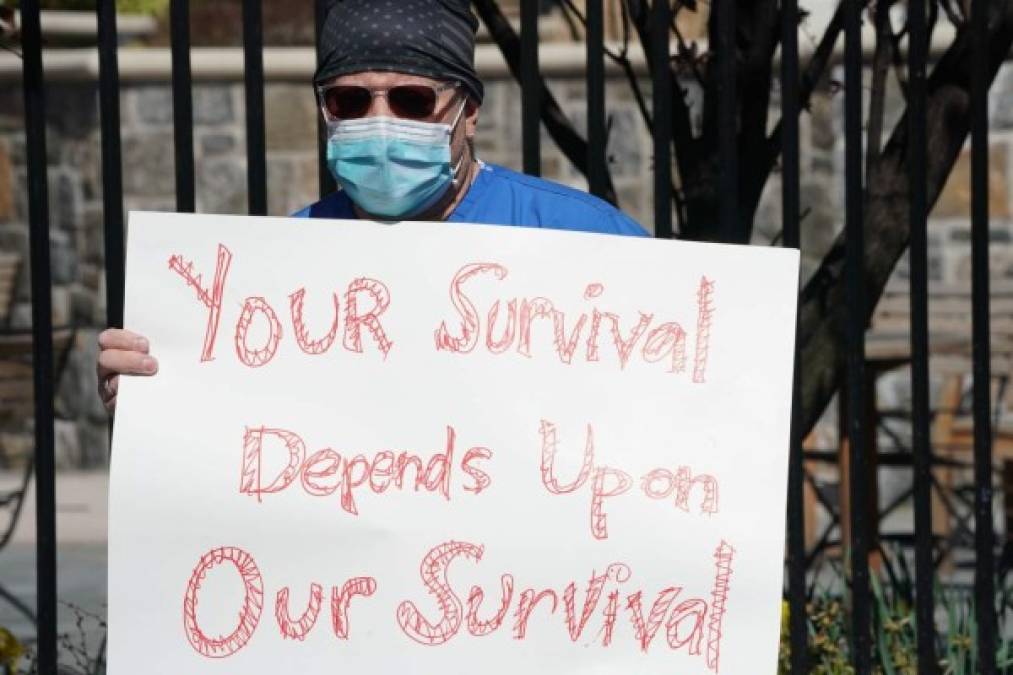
point(121, 352)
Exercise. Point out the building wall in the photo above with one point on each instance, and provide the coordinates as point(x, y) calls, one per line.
point(146, 112)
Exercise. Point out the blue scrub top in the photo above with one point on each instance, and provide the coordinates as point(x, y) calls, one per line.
point(499, 196)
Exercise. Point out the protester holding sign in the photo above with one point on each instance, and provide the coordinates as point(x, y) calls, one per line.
point(437, 449)
point(434, 449)
point(398, 89)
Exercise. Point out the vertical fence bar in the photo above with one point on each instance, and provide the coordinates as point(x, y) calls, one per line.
point(791, 211)
point(597, 136)
point(42, 335)
point(727, 119)
point(112, 165)
point(920, 446)
point(253, 73)
point(327, 183)
point(855, 294)
point(661, 104)
point(531, 90)
point(984, 569)
point(182, 105)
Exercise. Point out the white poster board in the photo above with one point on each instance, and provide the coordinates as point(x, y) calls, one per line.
point(434, 448)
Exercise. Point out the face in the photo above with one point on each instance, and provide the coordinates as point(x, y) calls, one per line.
point(448, 103)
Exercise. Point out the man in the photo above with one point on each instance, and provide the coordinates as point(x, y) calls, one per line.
point(398, 89)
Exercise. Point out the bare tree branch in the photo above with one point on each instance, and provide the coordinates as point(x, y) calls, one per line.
point(685, 146)
point(880, 67)
point(813, 72)
point(822, 317)
point(556, 123)
point(954, 12)
point(756, 81)
point(687, 54)
point(622, 59)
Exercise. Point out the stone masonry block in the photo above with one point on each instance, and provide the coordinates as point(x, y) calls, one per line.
point(221, 187)
point(213, 104)
point(291, 117)
point(148, 162)
point(63, 257)
point(6, 183)
point(153, 104)
point(955, 200)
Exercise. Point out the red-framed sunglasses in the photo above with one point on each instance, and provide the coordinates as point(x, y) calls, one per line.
point(409, 101)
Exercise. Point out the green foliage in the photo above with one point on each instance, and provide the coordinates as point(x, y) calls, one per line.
point(894, 633)
point(151, 7)
point(77, 653)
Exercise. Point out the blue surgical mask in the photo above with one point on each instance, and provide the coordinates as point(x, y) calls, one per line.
point(391, 167)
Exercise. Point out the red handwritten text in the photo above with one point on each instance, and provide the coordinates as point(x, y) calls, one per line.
point(692, 625)
point(253, 604)
point(686, 623)
point(365, 301)
point(607, 482)
point(326, 472)
point(656, 342)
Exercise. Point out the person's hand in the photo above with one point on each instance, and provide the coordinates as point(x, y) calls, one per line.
point(121, 353)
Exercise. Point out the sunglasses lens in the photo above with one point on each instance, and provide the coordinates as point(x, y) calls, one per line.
point(412, 101)
point(347, 103)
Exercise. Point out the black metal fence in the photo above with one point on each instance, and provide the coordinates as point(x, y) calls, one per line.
point(660, 58)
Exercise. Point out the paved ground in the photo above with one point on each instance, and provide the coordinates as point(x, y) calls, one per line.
point(81, 563)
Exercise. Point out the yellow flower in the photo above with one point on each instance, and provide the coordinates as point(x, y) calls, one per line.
point(11, 650)
point(962, 642)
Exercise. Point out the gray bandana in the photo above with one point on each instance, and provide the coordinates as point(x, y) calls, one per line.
point(431, 38)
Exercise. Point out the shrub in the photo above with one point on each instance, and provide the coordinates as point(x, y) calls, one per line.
point(894, 632)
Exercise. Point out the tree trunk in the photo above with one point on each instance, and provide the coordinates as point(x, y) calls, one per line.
point(823, 312)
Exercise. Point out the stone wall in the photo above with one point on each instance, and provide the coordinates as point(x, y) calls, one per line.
point(146, 114)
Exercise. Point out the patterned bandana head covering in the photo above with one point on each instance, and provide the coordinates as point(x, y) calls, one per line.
point(431, 38)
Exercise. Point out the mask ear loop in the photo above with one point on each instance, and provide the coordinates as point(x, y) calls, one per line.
point(453, 126)
point(460, 111)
